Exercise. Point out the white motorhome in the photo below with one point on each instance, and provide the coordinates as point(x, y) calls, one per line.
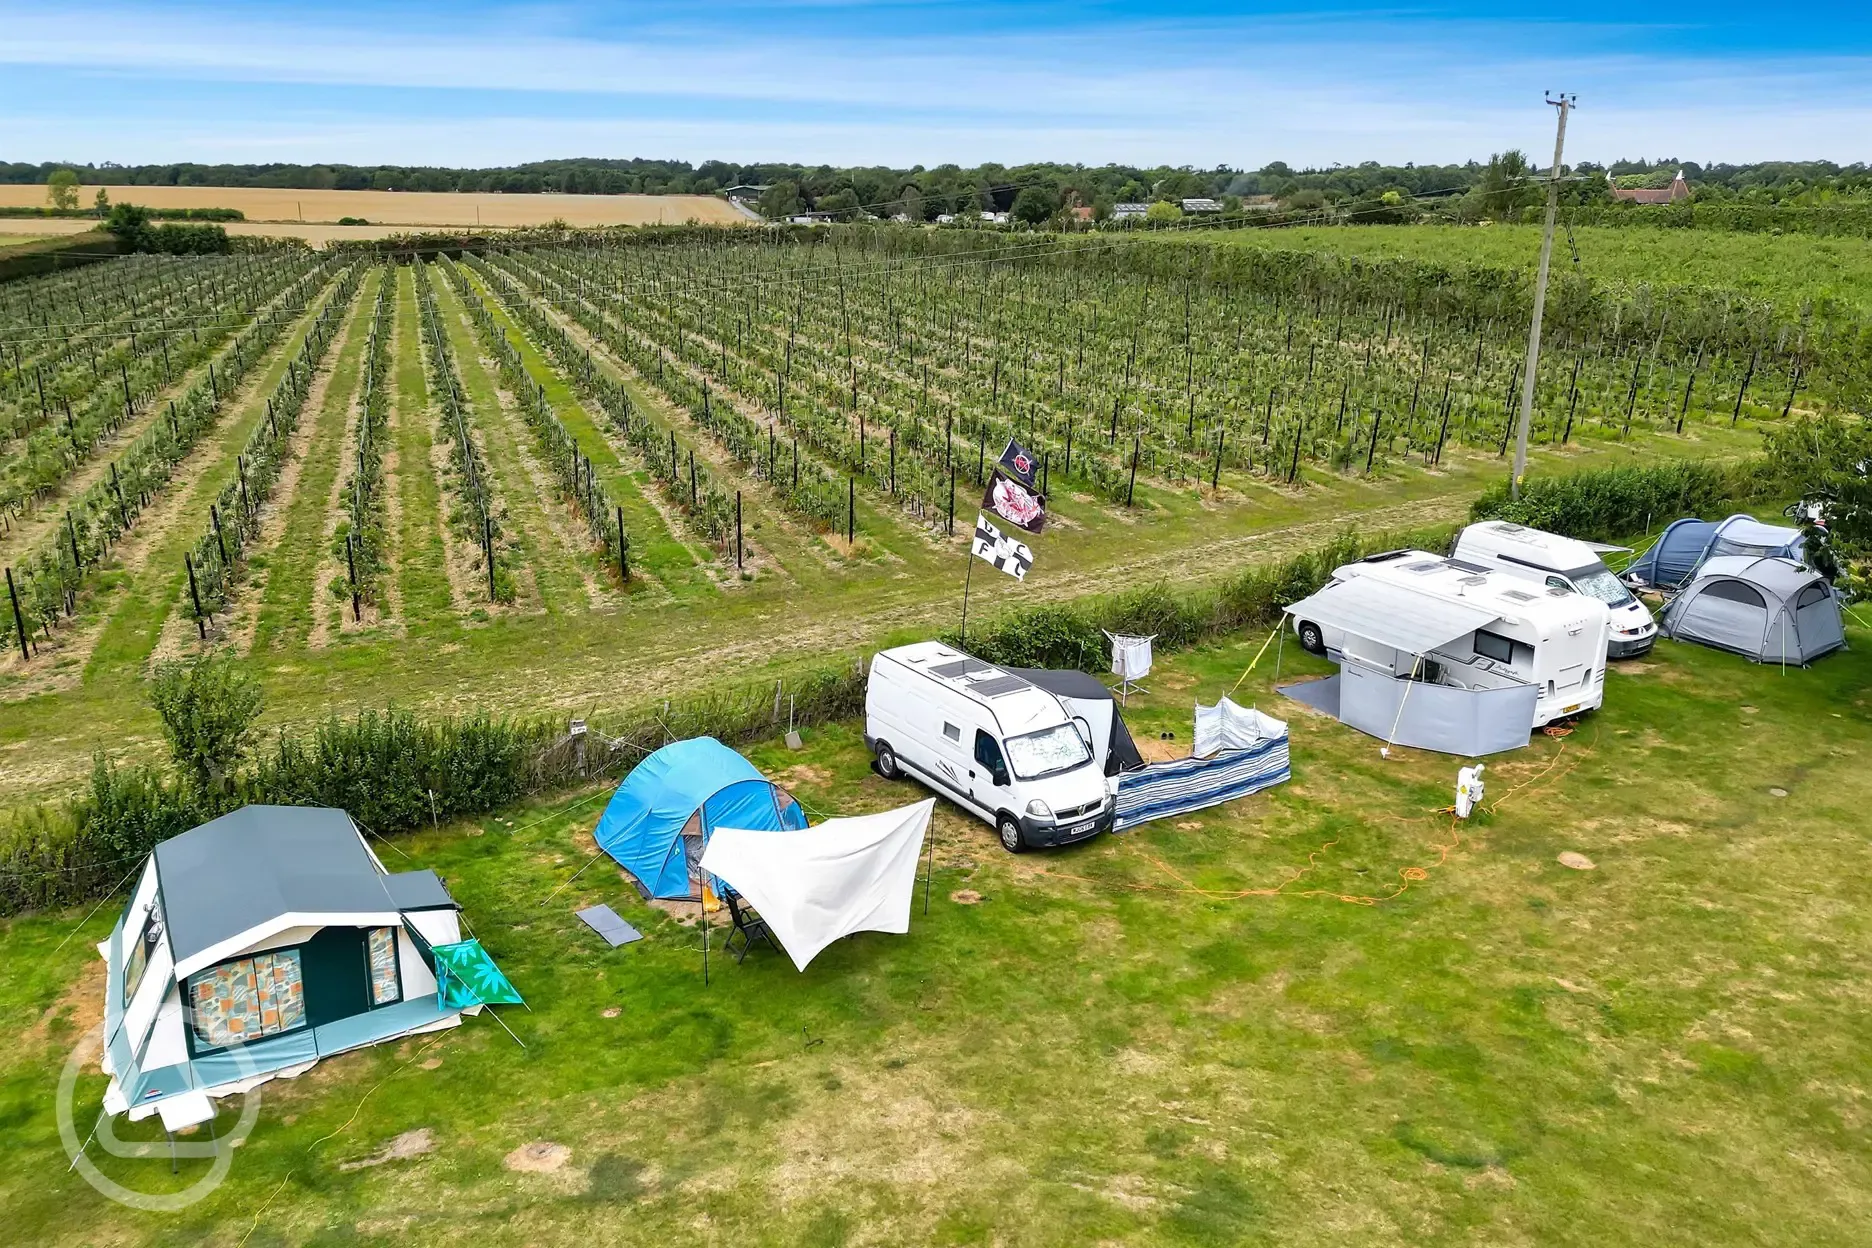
point(993, 743)
point(1562, 563)
point(1553, 639)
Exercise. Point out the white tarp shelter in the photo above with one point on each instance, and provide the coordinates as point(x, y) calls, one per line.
point(814, 885)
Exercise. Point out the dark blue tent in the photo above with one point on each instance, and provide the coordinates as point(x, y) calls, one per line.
point(1673, 557)
point(660, 818)
point(1685, 544)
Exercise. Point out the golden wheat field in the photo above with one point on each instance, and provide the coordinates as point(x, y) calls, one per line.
point(404, 208)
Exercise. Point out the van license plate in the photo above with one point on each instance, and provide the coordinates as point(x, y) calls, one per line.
point(1569, 710)
point(1080, 829)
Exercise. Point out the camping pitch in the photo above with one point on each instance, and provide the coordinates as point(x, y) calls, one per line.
point(814, 885)
point(660, 819)
point(257, 944)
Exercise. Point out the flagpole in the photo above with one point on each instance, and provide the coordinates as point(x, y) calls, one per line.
point(966, 578)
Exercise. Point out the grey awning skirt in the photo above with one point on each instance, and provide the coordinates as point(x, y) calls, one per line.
point(1391, 615)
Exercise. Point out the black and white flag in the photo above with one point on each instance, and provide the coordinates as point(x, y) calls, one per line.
point(1011, 556)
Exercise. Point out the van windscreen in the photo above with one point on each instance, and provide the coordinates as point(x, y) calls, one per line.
point(1055, 749)
point(1598, 582)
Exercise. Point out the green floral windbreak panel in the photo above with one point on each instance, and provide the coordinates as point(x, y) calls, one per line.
point(383, 966)
point(246, 1000)
point(466, 976)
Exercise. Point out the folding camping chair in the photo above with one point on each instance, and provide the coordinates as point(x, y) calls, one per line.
point(748, 925)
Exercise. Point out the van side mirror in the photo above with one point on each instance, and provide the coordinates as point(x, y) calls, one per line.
point(1001, 777)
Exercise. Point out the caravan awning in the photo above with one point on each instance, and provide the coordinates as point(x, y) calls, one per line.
point(1391, 615)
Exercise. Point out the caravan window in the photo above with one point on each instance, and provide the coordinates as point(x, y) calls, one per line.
point(137, 955)
point(953, 733)
point(1494, 646)
point(386, 986)
point(248, 999)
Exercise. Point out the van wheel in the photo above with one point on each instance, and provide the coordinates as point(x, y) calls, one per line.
point(1311, 639)
point(887, 761)
point(1009, 828)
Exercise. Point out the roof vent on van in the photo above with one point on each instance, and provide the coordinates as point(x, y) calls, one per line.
point(1517, 595)
point(1503, 526)
point(1423, 565)
point(1475, 580)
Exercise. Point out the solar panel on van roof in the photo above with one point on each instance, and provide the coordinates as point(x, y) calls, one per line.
point(961, 667)
point(999, 685)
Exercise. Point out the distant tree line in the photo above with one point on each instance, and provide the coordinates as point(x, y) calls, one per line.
point(1495, 189)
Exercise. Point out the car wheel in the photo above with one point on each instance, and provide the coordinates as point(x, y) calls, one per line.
point(1009, 828)
point(1311, 639)
point(887, 762)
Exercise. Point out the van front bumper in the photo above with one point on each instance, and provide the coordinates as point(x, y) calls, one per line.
point(1045, 833)
point(1630, 647)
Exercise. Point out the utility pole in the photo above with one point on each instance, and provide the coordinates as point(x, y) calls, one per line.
point(1565, 104)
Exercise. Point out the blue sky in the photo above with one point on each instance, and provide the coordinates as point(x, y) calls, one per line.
point(905, 82)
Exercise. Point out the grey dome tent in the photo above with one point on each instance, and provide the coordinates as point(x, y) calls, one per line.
point(1768, 609)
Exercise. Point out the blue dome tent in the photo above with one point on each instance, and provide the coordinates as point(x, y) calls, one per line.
point(660, 818)
point(1674, 558)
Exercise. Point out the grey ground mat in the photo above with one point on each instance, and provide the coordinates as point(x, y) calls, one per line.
point(604, 921)
point(1321, 695)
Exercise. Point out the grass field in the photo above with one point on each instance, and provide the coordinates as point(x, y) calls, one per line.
point(1784, 268)
point(20, 240)
point(409, 208)
point(1321, 1015)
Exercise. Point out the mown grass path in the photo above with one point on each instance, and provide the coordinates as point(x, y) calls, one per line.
point(552, 565)
point(654, 547)
point(286, 606)
point(421, 553)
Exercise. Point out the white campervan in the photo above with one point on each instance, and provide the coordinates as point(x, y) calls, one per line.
point(1562, 563)
point(1552, 638)
point(991, 742)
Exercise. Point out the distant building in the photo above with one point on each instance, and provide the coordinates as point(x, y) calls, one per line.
point(944, 218)
point(1121, 211)
point(1197, 207)
point(1259, 203)
point(1081, 212)
point(1678, 190)
point(998, 218)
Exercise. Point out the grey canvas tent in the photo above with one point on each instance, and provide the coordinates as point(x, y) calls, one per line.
point(1768, 609)
point(1087, 697)
point(253, 946)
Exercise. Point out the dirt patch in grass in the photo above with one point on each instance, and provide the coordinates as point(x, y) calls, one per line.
point(965, 897)
point(81, 1006)
point(539, 1157)
point(409, 1145)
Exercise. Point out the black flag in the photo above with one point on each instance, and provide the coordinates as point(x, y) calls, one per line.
point(1019, 462)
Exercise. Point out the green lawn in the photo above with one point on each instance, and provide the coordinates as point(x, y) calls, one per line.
point(1787, 269)
point(1138, 1040)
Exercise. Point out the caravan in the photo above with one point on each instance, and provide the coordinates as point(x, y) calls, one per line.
point(994, 743)
point(1562, 563)
point(1520, 635)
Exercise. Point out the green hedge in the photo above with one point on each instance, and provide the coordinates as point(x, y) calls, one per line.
point(392, 770)
point(1607, 504)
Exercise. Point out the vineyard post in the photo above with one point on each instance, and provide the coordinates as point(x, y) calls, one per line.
point(1746, 378)
point(737, 530)
point(1215, 474)
point(72, 531)
point(1564, 104)
point(893, 459)
point(695, 496)
point(487, 547)
point(357, 611)
point(201, 626)
point(623, 549)
point(851, 510)
point(214, 514)
point(19, 618)
point(951, 522)
point(1067, 467)
point(1137, 442)
point(1689, 386)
